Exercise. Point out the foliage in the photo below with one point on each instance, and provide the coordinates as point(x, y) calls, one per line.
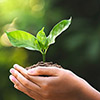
point(78, 50)
point(40, 42)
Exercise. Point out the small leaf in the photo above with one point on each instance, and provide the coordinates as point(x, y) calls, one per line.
point(23, 39)
point(42, 39)
point(57, 30)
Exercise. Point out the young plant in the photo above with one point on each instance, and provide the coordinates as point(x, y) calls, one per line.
point(40, 43)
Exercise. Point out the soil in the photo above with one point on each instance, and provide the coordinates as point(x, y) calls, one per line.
point(44, 64)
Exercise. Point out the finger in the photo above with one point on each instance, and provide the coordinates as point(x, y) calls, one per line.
point(49, 71)
point(13, 79)
point(22, 70)
point(26, 91)
point(38, 80)
point(24, 81)
point(20, 87)
point(35, 79)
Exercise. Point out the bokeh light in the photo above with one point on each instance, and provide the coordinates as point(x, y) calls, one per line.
point(77, 49)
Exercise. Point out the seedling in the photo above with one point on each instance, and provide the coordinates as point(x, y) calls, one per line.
point(40, 43)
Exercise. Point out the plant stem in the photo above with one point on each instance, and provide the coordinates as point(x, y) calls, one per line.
point(43, 57)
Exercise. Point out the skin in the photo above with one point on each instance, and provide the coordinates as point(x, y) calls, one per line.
point(61, 84)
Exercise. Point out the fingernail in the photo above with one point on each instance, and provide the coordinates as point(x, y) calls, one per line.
point(11, 70)
point(12, 78)
point(15, 87)
point(15, 65)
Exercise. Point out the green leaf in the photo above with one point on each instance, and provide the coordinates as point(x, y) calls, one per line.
point(57, 30)
point(42, 39)
point(23, 39)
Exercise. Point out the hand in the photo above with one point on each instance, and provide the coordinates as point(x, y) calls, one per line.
point(60, 85)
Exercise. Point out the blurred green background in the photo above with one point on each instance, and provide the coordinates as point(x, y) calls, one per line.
point(77, 49)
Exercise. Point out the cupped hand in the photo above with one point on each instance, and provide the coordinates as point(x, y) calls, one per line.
point(59, 84)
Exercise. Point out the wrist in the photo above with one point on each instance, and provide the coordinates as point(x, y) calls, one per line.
point(87, 92)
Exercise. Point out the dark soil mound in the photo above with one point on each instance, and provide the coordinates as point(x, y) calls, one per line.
point(44, 64)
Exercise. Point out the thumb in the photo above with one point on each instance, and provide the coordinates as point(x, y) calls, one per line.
point(49, 71)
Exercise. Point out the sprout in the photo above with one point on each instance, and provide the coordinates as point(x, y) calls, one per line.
point(40, 43)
